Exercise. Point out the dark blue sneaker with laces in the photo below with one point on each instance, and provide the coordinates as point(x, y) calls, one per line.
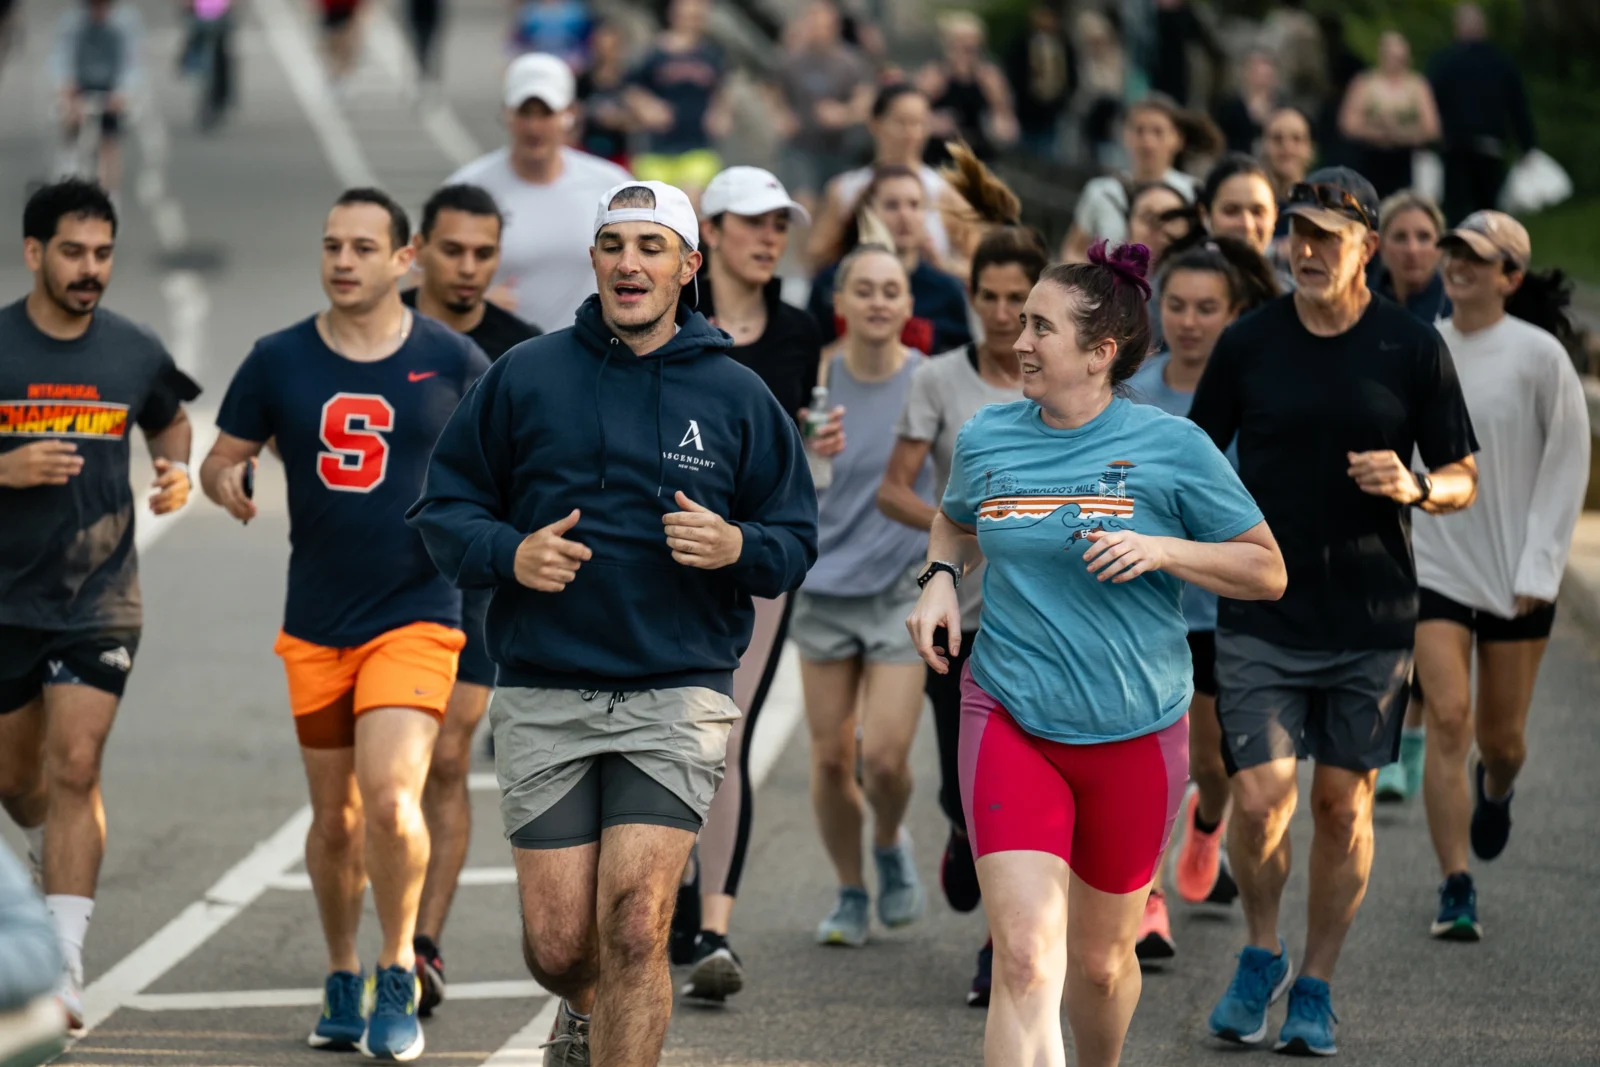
point(1458, 910)
point(1491, 819)
point(342, 1022)
point(393, 1030)
point(1308, 1030)
point(1261, 978)
point(978, 995)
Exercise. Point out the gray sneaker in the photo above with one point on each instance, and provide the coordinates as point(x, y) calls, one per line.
point(900, 894)
point(847, 923)
point(569, 1041)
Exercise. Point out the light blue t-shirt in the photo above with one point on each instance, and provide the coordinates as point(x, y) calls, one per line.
point(1149, 386)
point(860, 550)
point(1072, 658)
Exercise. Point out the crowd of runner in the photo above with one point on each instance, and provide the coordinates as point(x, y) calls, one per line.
point(1246, 471)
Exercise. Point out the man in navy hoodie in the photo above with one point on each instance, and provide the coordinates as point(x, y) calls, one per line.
point(664, 487)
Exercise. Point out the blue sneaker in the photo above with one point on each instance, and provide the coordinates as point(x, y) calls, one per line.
point(343, 1022)
point(1491, 819)
point(846, 924)
point(1458, 910)
point(1308, 1031)
point(1261, 978)
point(393, 1030)
point(901, 897)
point(1394, 783)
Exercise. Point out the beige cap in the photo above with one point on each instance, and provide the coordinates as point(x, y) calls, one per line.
point(1493, 235)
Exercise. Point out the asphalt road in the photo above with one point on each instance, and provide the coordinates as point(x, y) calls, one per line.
point(204, 951)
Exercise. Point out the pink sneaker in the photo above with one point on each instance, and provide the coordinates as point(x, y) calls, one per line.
point(1155, 931)
point(1199, 858)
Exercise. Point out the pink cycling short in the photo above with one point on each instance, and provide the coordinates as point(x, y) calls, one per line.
point(1106, 809)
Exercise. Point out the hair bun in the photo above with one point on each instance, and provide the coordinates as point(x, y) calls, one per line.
point(1130, 263)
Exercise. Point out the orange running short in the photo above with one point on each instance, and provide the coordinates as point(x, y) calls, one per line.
point(410, 667)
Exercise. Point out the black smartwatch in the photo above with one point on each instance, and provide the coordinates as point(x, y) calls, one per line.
point(1424, 486)
point(952, 569)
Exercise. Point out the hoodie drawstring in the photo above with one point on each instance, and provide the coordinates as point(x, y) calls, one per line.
point(599, 414)
point(611, 705)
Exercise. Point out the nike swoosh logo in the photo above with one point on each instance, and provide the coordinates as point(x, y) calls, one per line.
point(422, 692)
point(415, 377)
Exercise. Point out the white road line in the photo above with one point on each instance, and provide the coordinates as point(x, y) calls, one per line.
point(523, 1050)
point(286, 36)
point(782, 713)
point(296, 998)
point(300, 881)
point(227, 897)
point(148, 528)
point(449, 134)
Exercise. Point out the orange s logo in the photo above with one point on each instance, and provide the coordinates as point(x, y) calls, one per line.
point(353, 425)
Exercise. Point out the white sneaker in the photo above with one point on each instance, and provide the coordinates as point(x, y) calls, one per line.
point(70, 996)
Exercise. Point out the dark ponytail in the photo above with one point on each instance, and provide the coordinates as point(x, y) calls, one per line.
point(1542, 299)
point(1250, 278)
point(1113, 296)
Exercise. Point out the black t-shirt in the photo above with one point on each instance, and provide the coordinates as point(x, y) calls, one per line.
point(496, 332)
point(787, 355)
point(67, 559)
point(1298, 404)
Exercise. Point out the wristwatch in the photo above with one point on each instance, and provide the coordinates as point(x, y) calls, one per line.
point(952, 569)
point(1424, 486)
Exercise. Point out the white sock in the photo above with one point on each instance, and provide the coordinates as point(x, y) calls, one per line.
point(35, 836)
point(71, 915)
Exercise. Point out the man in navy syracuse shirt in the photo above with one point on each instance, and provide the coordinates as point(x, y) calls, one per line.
point(355, 397)
point(665, 487)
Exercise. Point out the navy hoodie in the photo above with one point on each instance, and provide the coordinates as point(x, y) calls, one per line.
point(574, 419)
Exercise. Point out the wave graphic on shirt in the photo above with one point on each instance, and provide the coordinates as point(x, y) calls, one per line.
point(1104, 504)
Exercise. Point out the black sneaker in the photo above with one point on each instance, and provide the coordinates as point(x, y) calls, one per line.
point(978, 995)
point(430, 971)
point(958, 874)
point(1226, 891)
point(685, 921)
point(1491, 819)
point(716, 973)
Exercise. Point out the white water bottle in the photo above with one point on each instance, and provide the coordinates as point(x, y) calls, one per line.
point(816, 419)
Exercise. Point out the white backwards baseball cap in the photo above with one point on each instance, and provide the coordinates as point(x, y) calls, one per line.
point(749, 191)
point(540, 76)
point(672, 210)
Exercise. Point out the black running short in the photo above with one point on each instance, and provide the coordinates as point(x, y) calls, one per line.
point(32, 659)
point(1488, 628)
point(1203, 650)
point(612, 792)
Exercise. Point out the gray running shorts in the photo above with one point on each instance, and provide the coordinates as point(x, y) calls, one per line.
point(832, 628)
point(552, 743)
point(1343, 709)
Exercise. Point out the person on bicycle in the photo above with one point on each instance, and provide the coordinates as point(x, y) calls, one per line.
point(95, 65)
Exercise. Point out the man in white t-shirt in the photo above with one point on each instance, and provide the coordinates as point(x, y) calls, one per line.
point(547, 192)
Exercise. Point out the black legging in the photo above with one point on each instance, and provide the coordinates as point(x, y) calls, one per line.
point(426, 16)
point(944, 690)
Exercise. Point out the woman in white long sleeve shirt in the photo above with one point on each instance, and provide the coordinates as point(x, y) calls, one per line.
point(1489, 575)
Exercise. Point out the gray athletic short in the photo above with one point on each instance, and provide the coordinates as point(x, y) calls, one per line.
point(832, 628)
point(1339, 708)
point(572, 763)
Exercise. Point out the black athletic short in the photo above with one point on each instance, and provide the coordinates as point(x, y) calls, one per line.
point(1488, 628)
point(611, 792)
point(32, 659)
point(1203, 650)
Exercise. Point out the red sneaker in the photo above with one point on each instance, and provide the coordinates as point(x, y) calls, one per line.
point(1155, 932)
point(1199, 857)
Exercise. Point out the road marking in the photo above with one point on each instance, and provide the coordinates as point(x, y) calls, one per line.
point(525, 1047)
point(228, 896)
point(779, 717)
point(438, 118)
point(286, 36)
point(300, 881)
point(218, 1000)
point(148, 528)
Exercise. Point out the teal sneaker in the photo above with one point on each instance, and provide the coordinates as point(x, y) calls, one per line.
point(393, 1030)
point(1261, 978)
point(1458, 910)
point(847, 923)
point(1394, 784)
point(1413, 753)
point(343, 1021)
point(1308, 1031)
point(901, 897)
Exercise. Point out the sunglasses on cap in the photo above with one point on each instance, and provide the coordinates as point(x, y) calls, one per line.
point(1330, 198)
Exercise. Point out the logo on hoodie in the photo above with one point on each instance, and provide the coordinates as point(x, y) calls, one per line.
point(692, 436)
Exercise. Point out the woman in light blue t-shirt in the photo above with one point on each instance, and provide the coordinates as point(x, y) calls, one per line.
point(1091, 513)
